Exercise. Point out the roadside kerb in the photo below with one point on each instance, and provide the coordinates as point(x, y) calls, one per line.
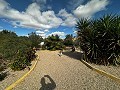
point(22, 78)
point(102, 72)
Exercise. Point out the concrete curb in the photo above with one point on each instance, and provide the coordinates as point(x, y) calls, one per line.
point(22, 78)
point(102, 72)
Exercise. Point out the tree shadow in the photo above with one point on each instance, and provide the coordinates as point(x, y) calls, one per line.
point(47, 86)
point(75, 55)
point(3, 75)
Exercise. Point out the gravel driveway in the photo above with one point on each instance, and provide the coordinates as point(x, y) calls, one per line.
point(64, 73)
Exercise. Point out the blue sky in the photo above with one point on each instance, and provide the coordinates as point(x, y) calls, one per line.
point(47, 17)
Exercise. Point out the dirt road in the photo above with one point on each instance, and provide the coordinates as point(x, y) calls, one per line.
point(64, 73)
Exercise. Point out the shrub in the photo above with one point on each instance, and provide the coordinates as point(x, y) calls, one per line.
point(22, 59)
point(3, 63)
point(16, 51)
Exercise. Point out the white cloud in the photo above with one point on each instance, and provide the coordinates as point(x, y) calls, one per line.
point(41, 33)
point(75, 32)
point(72, 4)
point(1, 30)
point(51, 19)
point(61, 34)
point(90, 8)
point(31, 18)
point(15, 27)
point(49, 7)
point(68, 19)
point(46, 30)
point(41, 3)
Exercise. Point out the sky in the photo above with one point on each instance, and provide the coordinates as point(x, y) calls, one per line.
point(47, 17)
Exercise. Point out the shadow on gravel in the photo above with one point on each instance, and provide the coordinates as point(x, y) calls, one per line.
point(75, 55)
point(3, 75)
point(45, 85)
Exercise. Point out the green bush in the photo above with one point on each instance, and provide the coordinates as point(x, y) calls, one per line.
point(3, 63)
point(16, 51)
point(22, 59)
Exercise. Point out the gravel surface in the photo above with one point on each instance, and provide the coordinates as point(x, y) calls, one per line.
point(114, 70)
point(12, 77)
point(64, 73)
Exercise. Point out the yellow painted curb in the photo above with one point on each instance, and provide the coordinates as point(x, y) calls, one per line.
point(22, 78)
point(102, 72)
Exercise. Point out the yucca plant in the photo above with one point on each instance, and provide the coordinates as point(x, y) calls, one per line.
point(100, 39)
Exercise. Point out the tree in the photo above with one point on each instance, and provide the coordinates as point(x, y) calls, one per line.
point(100, 39)
point(35, 39)
point(68, 41)
point(53, 42)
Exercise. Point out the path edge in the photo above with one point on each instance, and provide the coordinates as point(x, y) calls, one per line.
point(101, 72)
point(22, 78)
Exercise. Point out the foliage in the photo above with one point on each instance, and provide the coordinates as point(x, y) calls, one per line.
point(54, 43)
point(68, 41)
point(23, 59)
point(15, 51)
point(100, 39)
point(2, 63)
point(35, 39)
